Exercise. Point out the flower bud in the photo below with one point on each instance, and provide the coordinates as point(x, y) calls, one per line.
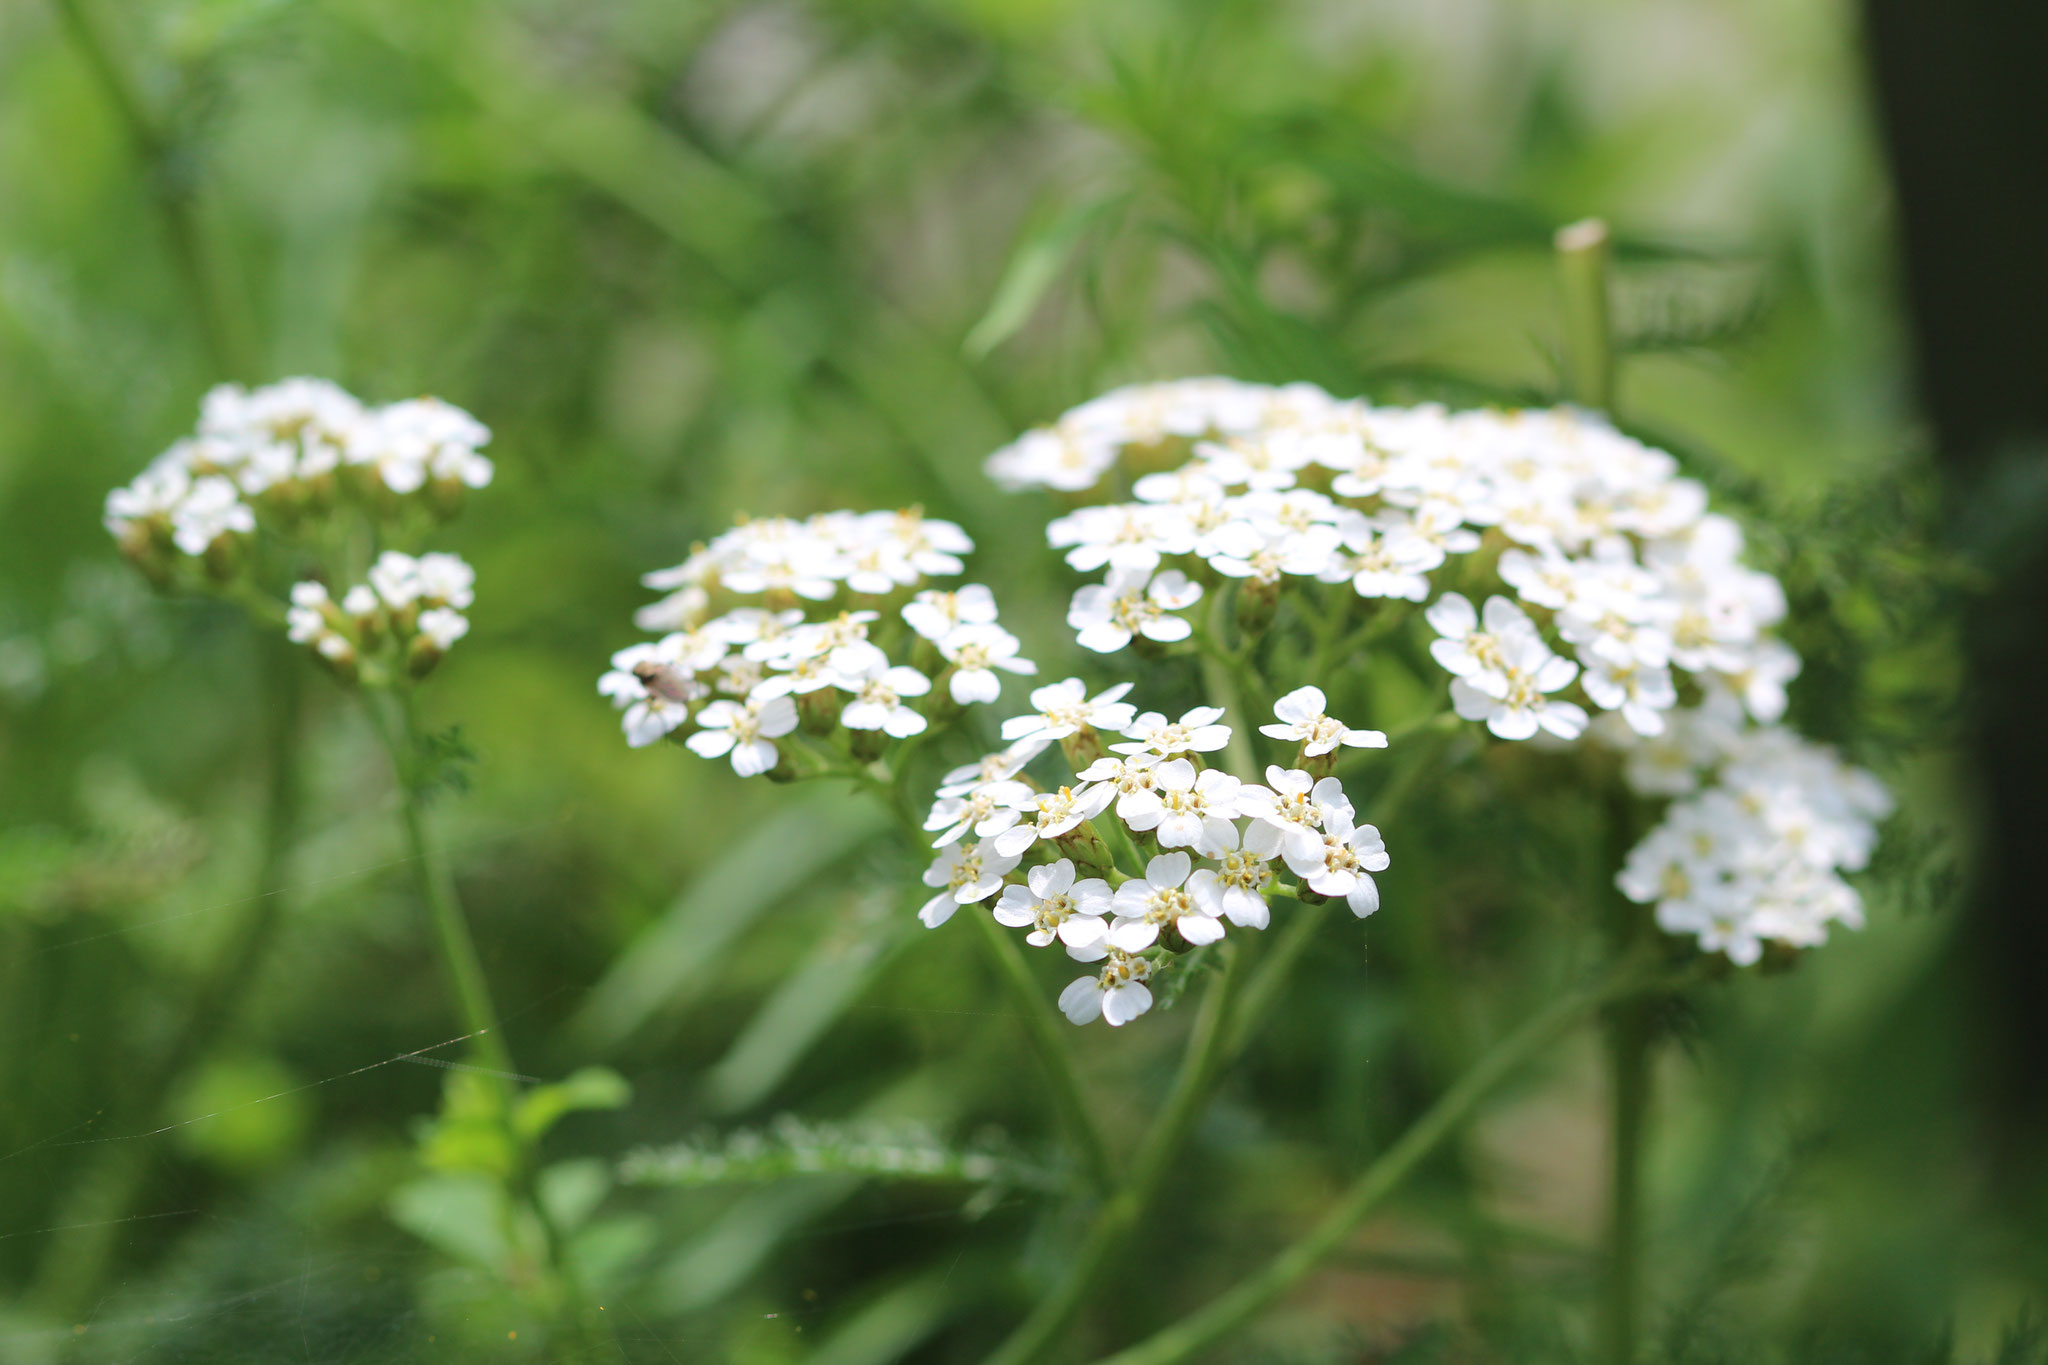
point(868, 745)
point(445, 497)
point(339, 655)
point(1083, 747)
point(1084, 845)
point(818, 711)
point(422, 655)
point(224, 557)
point(1257, 600)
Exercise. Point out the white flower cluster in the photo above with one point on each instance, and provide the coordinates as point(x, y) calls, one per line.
point(280, 451)
point(1614, 572)
point(416, 604)
point(1208, 839)
point(1755, 856)
point(733, 684)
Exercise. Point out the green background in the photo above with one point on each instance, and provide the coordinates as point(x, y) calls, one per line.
point(689, 260)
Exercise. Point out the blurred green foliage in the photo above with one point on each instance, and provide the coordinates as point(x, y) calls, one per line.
point(693, 259)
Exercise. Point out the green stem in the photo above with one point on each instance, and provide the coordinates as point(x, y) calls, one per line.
point(1628, 1055)
point(460, 965)
point(1027, 998)
point(1120, 1217)
point(1582, 253)
point(174, 200)
point(1042, 1025)
point(1226, 1314)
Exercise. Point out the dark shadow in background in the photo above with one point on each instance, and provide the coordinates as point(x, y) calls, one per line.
point(1962, 91)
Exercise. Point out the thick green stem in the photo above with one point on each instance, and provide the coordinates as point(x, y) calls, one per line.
point(1224, 1315)
point(1042, 1025)
point(1582, 252)
point(1121, 1215)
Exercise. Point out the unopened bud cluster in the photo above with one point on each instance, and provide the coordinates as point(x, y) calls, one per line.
point(823, 628)
point(1143, 850)
point(286, 491)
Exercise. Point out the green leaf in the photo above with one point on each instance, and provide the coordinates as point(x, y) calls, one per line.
point(1034, 265)
point(893, 1325)
point(800, 1010)
point(570, 1191)
point(459, 1215)
point(593, 1087)
point(739, 1243)
point(660, 971)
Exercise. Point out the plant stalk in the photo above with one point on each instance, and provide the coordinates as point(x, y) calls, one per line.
point(1583, 249)
point(1226, 1314)
point(1043, 1027)
point(1120, 1216)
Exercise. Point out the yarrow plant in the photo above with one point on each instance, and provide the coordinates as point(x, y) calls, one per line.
point(281, 498)
point(309, 508)
point(1608, 588)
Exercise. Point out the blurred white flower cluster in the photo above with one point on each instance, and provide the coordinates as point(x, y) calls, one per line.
point(1198, 845)
point(1753, 855)
point(414, 605)
point(276, 456)
point(1613, 572)
point(286, 490)
point(813, 611)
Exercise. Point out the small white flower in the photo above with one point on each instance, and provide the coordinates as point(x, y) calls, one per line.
point(1235, 890)
point(1196, 732)
point(966, 872)
point(1117, 994)
point(1302, 720)
point(1052, 814)
point(396, 577)
point(1065, 708)
point(212, 509)
point(878, 703)
point(1642, 695)
point(306, 618)
point(1145, 909)
point(445, 580)
point(1511, 696)
point(1130, 778)
point(935, 615)
point(1343, 863)
point(1057, 906)
point(746, 730)
point(988, 809)
point(976, 651)
point(443, 626)
point(1465, 649)
point(359, 601)
point(1294, 804)
point(1188, 809)
point(1108, 614)
point(996, 767)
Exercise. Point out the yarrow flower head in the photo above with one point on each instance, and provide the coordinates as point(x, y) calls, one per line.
point(1143, 851)
point(1754, 857)
point(801, 647)
point(1620, 591)
point(252, 501)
